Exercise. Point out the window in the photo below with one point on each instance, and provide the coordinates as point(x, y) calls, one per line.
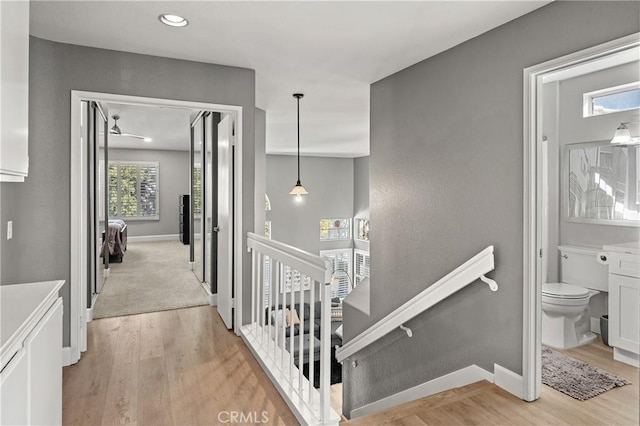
point(335, 229)
point(361, 265)
point(340, 269)
point(362, 229)
point(133, 190)
point(612, 99)
point(197, 190)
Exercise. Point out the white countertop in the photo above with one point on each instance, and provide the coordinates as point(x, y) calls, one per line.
point(631, 248)
point(20, 305)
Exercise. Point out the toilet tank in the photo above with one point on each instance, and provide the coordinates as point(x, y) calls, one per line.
point(580, 267)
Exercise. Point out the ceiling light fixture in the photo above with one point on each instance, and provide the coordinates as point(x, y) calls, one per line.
point(173, 20)
point(622, 136)
point(298, 190)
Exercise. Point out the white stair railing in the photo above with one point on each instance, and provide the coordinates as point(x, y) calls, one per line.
point(467, 273)
point(287, 281)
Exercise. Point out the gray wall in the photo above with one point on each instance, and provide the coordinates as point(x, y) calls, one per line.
point(446, 181)
point(260, 181)
point(40, 207)
point(174, 180)
point(361, 194)
point(330, 185)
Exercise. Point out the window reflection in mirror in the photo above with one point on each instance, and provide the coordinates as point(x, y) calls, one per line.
point(602, 183)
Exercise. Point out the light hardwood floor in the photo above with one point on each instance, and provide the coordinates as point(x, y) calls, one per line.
point(183, 367)
point(179, 367)
point(483, 403)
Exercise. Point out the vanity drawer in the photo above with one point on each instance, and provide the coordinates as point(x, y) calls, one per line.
point(624, 264)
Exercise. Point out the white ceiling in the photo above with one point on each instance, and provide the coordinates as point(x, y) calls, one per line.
point(330, 51)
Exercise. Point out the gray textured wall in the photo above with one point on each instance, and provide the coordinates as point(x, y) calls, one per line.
point(330, 185)
point(361, 194)
point(174, 180)
point(446, 181)
point(260, 181)
point(40, 207)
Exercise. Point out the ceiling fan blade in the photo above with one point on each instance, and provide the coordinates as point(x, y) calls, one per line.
point(132, 135)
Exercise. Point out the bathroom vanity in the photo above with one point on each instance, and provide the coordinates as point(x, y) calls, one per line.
point(623, 261)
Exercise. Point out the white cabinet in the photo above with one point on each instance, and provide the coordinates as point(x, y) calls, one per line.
point(14, 90)
point(31, 354)
point(624, 303)
point(13, 391)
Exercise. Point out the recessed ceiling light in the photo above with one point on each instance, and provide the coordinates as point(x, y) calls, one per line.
point(173, 20)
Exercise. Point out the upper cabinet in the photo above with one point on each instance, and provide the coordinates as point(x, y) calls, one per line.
point(14, 90)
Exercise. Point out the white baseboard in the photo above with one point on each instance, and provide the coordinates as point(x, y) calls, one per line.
point(627, 357)
point(456, 379)
point(150, 238)
point(66, 356)
point(595, 325)
point(213, 299)
point(508, 380)
point(90, 314)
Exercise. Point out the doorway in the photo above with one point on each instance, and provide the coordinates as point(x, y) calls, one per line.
point(81, 228)
point(537, 219)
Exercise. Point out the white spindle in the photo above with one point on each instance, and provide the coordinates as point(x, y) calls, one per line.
point(301, 336)
point(269, 309)
point(312, 317)
point(254, 268)
point(325, 350)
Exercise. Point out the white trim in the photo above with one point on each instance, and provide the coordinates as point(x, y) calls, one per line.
point(533, 218)
point(66, 356)
point(90, 313)
point(459, 278)
point(151, 238)
point(508, 380)
point(213, 299)
point(456, 379)
point(78, 224)
point(626, 356)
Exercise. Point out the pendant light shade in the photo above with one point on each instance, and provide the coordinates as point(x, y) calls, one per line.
point(298, 190)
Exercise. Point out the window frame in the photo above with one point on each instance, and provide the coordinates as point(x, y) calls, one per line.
point(587, 98)
point(138, 165)
point(331, 223)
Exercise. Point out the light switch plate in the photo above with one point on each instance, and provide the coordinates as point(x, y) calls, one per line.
point(9, 230)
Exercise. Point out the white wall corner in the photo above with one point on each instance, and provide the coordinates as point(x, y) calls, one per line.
point(66, 356)
point(508, 380)
point(456, 379)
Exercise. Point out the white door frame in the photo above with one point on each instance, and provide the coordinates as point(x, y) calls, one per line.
point(535, 196)
point(79, 228)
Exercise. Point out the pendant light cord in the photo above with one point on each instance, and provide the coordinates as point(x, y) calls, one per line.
point(298, 140)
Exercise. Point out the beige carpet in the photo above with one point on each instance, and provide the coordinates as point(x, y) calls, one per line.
point(154, 276)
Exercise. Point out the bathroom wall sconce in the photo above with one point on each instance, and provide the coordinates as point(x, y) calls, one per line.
point(622, 136)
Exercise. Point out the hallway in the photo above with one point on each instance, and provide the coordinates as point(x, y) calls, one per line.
point(178, 367)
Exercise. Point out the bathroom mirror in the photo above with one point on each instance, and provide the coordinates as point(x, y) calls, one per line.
point(601, 183)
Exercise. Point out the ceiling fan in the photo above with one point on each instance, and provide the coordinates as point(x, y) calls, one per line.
point(115, 131)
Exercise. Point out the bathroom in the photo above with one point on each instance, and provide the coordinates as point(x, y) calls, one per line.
point(592, 201)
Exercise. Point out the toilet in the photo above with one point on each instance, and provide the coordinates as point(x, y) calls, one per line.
point(566, 321)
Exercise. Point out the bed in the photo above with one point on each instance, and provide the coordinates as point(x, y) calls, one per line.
point(117, 241)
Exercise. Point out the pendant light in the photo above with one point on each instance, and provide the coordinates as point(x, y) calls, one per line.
point(298, 190)
point(622, 135)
